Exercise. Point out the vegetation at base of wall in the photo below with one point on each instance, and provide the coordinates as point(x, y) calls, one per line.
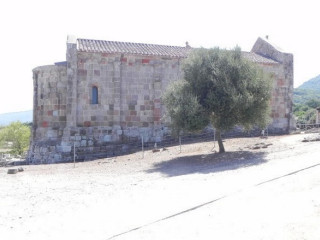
point(220, 87)
point(306, 99)
point(15, 137)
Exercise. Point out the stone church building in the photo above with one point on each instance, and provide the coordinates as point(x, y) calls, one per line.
point(107, 92)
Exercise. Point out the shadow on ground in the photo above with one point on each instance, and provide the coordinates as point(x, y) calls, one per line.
point(210, 163)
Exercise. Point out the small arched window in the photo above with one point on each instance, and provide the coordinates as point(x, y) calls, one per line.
point(94, 99)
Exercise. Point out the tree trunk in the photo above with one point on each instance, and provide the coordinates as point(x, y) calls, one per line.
point(220, 143)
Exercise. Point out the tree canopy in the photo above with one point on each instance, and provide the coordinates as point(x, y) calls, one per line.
point(184, 108)
point(220, 87)
point(17, 133)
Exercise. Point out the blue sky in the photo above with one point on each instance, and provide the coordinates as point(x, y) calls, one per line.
point(34, 33)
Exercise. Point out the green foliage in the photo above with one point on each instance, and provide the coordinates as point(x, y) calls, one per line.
point(306, 99)
point(226, 89)
point(305, 114)
point(232, 89)
point(18, 134)
point(301, 96)
point(183, 108)
point(313, 103)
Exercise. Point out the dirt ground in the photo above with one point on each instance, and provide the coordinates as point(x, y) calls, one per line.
point(266, 193)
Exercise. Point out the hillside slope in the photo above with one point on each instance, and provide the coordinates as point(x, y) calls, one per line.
point(306, 99)
point(312, 84)
point(307, 91)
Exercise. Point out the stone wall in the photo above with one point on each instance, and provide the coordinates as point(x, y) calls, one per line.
point(129, 102)
point(129, 91)
point(50, 104)
point(282, 96)
point(49, 113)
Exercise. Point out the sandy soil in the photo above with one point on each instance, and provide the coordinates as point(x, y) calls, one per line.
point(266, 193)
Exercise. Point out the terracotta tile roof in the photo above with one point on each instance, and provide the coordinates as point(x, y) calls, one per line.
point(87, 45)
point(102, 46)
point(258, 58)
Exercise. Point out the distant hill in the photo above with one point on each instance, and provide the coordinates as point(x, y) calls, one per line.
point(7, 118)
point(306, 99)
point(307, 91)
point(312, 84)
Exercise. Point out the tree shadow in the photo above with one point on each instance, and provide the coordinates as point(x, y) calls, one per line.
point(210, 163)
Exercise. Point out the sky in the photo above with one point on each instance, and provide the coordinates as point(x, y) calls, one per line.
point(34, 32)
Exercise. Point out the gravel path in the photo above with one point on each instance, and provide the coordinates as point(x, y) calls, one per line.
point(266, 193)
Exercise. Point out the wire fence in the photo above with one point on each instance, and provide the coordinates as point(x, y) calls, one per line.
point(83, 153)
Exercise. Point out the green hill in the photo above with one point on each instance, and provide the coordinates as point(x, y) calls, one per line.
point(302, 96)
point(312, 84)
point(307, 91)
point(306, 99)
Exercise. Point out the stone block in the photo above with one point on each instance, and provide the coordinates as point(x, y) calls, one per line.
point(119, 132)
point(87, 123)
point(66, 149)
point(107, 138)
point(145, 124)
point(52, 134)
point(97, 73)
point(57, 157)
point(83, 143)
point(62, 118)
point(145, 61)
point(43, 150)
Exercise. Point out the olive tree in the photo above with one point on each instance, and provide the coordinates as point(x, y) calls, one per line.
point(221, 87)
point(183, 108)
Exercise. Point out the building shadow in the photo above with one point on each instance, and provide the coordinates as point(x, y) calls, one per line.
point(210, 163)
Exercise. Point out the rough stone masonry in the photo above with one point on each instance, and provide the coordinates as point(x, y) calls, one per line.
point(110, 92)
